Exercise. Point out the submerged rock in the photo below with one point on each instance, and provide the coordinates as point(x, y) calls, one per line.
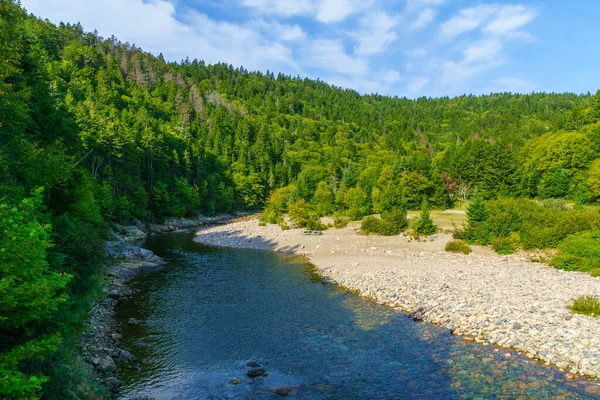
point(256, 372)
point(235, 381)
point(133, 321)
point(280, 391)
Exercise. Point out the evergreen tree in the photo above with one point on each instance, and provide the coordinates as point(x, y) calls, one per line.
point(476, 211)
point(424, 224)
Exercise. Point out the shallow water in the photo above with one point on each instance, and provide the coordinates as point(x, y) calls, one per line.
point(212, 310)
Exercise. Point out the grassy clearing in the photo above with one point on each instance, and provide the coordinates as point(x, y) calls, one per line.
point(445, 220)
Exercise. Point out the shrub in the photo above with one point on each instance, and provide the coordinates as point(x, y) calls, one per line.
point(539, 225)
point(396, 217)
point(424, 225)
point(586, 305)
point(502, 246)
point(579, 252)
point(458, 246)
point(341, 222)
point(372, 224)
point(302, 215)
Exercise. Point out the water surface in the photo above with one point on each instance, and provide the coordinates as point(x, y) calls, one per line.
point(213, 310)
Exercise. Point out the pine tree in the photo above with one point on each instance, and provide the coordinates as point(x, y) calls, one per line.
point(424, 225)
point(477, 210)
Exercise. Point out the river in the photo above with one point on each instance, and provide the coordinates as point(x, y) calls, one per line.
point(213, 310)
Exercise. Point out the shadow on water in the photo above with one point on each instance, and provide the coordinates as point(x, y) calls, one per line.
point(212, 310)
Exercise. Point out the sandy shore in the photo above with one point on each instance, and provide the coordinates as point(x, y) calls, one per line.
point(503, 300)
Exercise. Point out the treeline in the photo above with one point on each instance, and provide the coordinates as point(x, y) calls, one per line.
point(94, 131)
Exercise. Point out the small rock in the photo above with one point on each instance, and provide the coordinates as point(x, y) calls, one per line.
point(517, 326)
point(105, 365)
point(568, 317)
point(235, 381)
point(126, 355)
point(417, 316)
point(280, 391)
point(116, 336)
point(112, 383)
point(133, 321)
point(253, 364)
point(256, 372)
point(592, 389)
point(571, 377)
point(469, 338)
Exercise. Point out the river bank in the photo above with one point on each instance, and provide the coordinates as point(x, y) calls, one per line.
point(101, 348)
point(508, 301)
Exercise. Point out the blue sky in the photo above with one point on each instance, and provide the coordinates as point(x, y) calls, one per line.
point(406, 48)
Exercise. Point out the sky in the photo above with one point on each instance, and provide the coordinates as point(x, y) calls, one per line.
point(408, 48)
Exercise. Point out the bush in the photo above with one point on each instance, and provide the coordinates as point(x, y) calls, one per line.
point(396, 217)
point(341, 222)
point(538, 225)
point(372, 224)
point(458, 246)
point(503, 245)
point(302, 215)
point(579, 252)
point(586, 305)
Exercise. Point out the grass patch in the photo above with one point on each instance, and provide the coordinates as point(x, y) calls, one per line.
point(586, 305)
point(458, 246)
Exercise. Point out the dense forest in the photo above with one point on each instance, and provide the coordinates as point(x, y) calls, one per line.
point(95, 131)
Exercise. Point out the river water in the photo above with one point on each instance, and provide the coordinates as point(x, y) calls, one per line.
point(212, 310)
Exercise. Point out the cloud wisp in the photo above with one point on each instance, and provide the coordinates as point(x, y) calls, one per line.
point(418, 47)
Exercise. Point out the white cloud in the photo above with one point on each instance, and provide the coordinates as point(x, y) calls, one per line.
point(482, 50)
point(467, 20)
point(284, 8)
point(416, 53)
point(152, 25)
point(329, 54)
point(416, 84)
point(287, 33)
point(424, 18)
point(376, 32)
point(325, 11)
point(492, 28)
point(509, 19)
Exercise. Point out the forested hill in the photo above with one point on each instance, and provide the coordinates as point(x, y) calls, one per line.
point(95, 130)
point(154, 139)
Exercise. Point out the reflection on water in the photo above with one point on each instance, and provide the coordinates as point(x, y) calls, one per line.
point(211, 311)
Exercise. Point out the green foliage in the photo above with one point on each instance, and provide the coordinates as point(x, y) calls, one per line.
point(394, 224)
point(302, 215)
point(579, 252)
point(323, 199)
point(341, 222)
point(357, 202)
point(424, 225)
point(506, 245)
point(458, 246)
point(555, 184)
point(30, 293)
point(538, 225)
point(586, 305)
point(277, 205)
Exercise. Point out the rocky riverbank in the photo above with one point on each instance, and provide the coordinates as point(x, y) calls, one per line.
point(508, 301)
point(101, 342)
